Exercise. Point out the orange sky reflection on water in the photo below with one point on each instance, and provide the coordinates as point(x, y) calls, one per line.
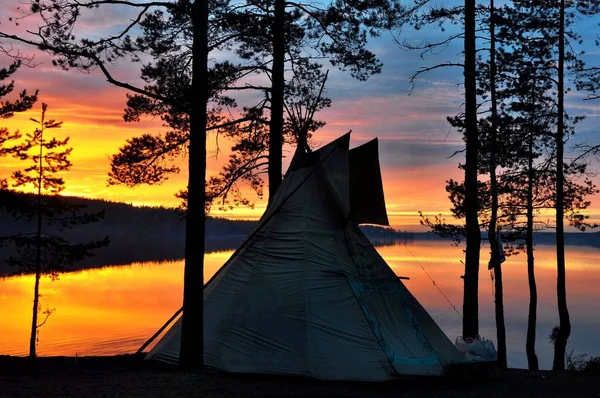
point(115, 309)
point(98, 311)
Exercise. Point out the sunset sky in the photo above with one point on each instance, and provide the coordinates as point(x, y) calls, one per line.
point(415, 139)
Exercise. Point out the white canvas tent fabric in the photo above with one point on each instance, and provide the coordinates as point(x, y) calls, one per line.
point(307, 293)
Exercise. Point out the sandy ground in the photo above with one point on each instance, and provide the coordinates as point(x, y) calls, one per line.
point(129, 376)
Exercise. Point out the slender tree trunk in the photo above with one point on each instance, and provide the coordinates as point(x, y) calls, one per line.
point(532, 359)
point(471, 278)
point(277, 86)
point(561, 290)
point(36, 288)
point(495, 249)
point(38, 246)
point(191, 355)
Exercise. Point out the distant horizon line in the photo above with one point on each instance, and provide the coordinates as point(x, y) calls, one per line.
point(411, 228)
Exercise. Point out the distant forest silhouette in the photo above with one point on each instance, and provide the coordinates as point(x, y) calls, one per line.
point(140, 234)
point(135, 233)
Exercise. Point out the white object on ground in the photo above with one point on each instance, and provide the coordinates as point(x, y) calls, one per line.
point(476, 349)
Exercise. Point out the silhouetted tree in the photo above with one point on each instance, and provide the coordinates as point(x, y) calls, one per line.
point(537, 59)
point(43, 252)
point(249, 26)
point(530, 105)
point(495, 260)
point(277, 92)
point(473, 239)
point(23, 103)
point(167, 34)
point(512, 125)
point(466, 14)
point(508, 94)
point(588, 76)
point(60, 17)
point(564, 330)
point(532, 359)
point(282, 34)
point(554, 21)
point(191, 354)
point(150, 159)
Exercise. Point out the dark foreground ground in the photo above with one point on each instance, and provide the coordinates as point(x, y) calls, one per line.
point(128, 376)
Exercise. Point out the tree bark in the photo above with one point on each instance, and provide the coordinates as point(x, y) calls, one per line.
point(191, 355)
point(561, 290)
point(277, 86)
point(36, 287)
point(471, 277)
point(36, 299)
point(492, 237)
point(38, 245)
point(532, 359)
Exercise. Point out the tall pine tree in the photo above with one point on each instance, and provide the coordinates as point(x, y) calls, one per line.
point(44, 251)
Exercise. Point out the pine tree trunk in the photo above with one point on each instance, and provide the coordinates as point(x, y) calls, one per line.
point(495, 249)
point(36, 295)
point(561, 290)
point(38, 245)
point(277, 86)
point(532, 359)
point(191, 355)
point(471, 277)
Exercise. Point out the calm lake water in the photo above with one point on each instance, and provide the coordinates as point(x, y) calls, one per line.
point(113, 310)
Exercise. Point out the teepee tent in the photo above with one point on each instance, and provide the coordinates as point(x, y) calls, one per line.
point(307, 293)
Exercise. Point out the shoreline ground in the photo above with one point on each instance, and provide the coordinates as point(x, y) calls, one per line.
point(130, 376)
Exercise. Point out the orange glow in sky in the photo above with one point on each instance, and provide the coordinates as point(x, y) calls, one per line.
point(97, 130)
point(415, 140)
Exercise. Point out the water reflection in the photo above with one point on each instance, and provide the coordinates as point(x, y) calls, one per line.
point(98, 311)
point(115, 309)
point(442, 262)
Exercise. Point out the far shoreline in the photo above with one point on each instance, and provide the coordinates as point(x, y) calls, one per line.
point(126, 253)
